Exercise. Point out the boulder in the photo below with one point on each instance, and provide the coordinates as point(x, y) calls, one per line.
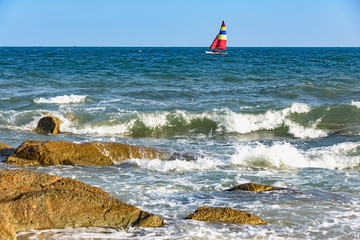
point(6, 150)
point(49, 124)
point(252, 187)
point(225, 215)
point(7, 231)
point(48, 153)
point(34, 200)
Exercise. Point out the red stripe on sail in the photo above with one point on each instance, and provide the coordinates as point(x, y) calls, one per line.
point(214, 43)
point(221, 44)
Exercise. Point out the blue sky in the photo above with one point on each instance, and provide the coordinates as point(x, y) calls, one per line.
point(250, 23)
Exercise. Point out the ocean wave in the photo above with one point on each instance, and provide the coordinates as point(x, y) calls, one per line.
point(65, 99)
point(162, 123)
point(284, 155)
point(278, 155)
point(355, 104)
point(296, 121)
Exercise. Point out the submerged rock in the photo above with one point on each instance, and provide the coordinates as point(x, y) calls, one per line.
point(48, 153)
point(33, 200)
point(253, 187)
point(6, 150)
point(225, 215)
point(49, 124)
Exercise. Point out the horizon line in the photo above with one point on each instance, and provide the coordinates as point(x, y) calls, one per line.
point(76, 46)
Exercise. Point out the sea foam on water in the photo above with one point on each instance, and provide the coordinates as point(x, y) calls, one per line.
point(65, 99)
point(285, 155)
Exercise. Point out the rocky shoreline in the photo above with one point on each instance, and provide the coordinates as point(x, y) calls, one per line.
point(33, 200)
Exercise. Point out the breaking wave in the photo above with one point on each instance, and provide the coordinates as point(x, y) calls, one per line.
point(355, 103)
point(284, 155)
point(277, 155)
point(66, 99)
point(297, 121)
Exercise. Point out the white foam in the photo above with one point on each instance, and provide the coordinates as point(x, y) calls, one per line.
point(154, 120)
point(284, 155)
point(278, 155)
point(302, 132)
point(99, 129)
point(270, 120)
point(177, 165)
point(355, 104)
point(66, 99)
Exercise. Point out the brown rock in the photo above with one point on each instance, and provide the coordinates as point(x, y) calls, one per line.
point(47, 153)
point(49, 124)
point(225, 215)
point(7, 231)
point(252, 187)
point(6, 150)
point(33, 200)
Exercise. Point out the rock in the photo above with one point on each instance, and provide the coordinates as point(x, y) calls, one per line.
point(225, 215)
point(49, 124)
point(6, 150)
point(7, 231)
point(33, 200)
point(48, 153)
point(252, 187)
point(183, 156)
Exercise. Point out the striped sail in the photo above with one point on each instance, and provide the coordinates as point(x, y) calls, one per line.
point(220, 39)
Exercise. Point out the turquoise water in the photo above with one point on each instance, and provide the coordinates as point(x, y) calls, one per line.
point(282, 116)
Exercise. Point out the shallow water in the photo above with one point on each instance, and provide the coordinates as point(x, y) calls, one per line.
point(282, 116)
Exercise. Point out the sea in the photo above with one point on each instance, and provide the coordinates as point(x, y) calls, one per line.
point(288, 117)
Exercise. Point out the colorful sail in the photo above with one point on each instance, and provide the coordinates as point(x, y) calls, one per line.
point(222, 38)
point(214, 43)
point(219, 42)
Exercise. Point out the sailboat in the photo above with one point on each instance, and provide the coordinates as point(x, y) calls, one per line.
point(219, 42)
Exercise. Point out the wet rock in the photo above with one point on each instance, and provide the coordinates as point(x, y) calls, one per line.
point(253, 187)
point(225, 215)
point(7, 231)
point(6, 150)
point(48, 153)
point(49, 124)
point(183, 156)
point(33, 200)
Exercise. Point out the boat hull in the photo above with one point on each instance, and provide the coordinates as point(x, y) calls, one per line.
point(216, 53)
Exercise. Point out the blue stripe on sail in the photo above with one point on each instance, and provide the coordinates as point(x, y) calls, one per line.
point(222, 32)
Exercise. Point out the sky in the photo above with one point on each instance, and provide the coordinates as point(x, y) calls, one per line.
point(180, 23)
